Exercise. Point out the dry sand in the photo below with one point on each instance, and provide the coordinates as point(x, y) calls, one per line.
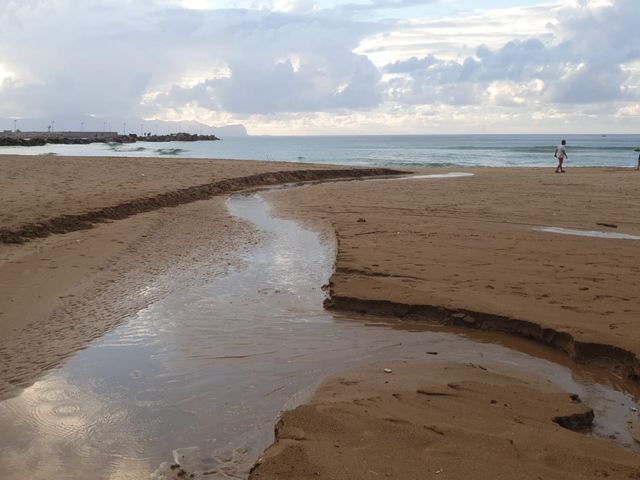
point(451, 244)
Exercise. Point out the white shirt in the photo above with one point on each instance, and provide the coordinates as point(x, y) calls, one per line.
point(561, 151)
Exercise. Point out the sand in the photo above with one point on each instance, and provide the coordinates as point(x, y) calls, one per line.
point(471, 245)
point(40, 187)
point(437, 420)
point(462, 251)
point(62, 291)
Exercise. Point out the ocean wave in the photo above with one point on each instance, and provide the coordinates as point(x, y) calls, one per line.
point(535, 149)
point(117, 147)
point(171, 151)
point(418, 163)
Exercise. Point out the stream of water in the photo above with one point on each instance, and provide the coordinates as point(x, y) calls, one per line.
point(200, 377)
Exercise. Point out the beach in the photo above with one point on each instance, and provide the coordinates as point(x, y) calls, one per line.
point(459, 252)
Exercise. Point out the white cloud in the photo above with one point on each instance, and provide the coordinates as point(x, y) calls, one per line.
point(5, 74)
point(451, 38)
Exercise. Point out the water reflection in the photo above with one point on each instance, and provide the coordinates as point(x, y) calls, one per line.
point(588, 233)
point(437, 175)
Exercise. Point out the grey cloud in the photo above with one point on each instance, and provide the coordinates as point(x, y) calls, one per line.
point(414, 64)
point(381, 5)
point(592, 49)
point(97, 58)
point(264, 80)
point(593, 84)
point(517, 61)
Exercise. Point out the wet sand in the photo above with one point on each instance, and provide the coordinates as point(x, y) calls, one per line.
point(434, 419)
point(63, 291)
point(468, 251)
point(462, 243)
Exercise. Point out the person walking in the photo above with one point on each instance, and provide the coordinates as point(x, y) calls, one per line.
point(638, 167)
point(561, 154)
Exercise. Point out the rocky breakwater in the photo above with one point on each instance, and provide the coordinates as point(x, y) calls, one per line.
point(177, 137)
point(39, 140)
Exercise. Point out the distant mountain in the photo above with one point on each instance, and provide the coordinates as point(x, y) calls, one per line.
point(238, 130)
point(121, 125)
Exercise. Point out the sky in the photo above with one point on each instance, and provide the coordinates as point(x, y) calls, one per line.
point(305, 67)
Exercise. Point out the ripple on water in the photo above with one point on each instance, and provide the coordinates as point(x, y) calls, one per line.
point(150, 398)
point(56, 411)
point(437, 175)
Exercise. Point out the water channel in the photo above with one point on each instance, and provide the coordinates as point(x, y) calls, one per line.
point(199, 377)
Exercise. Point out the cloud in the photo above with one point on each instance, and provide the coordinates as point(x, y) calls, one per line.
point(373, 5)
point(109, 62)
point(292, 59)
point(286, 63)
point(583, 64)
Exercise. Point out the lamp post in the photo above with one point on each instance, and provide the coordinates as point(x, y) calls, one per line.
point(52, 124)
point(15, 125)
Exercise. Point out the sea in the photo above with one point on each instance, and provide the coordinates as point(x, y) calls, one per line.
point(380, 150)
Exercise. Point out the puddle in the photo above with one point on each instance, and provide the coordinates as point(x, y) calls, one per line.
point(200, 377)
point(588, 233)
point(438, 175)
